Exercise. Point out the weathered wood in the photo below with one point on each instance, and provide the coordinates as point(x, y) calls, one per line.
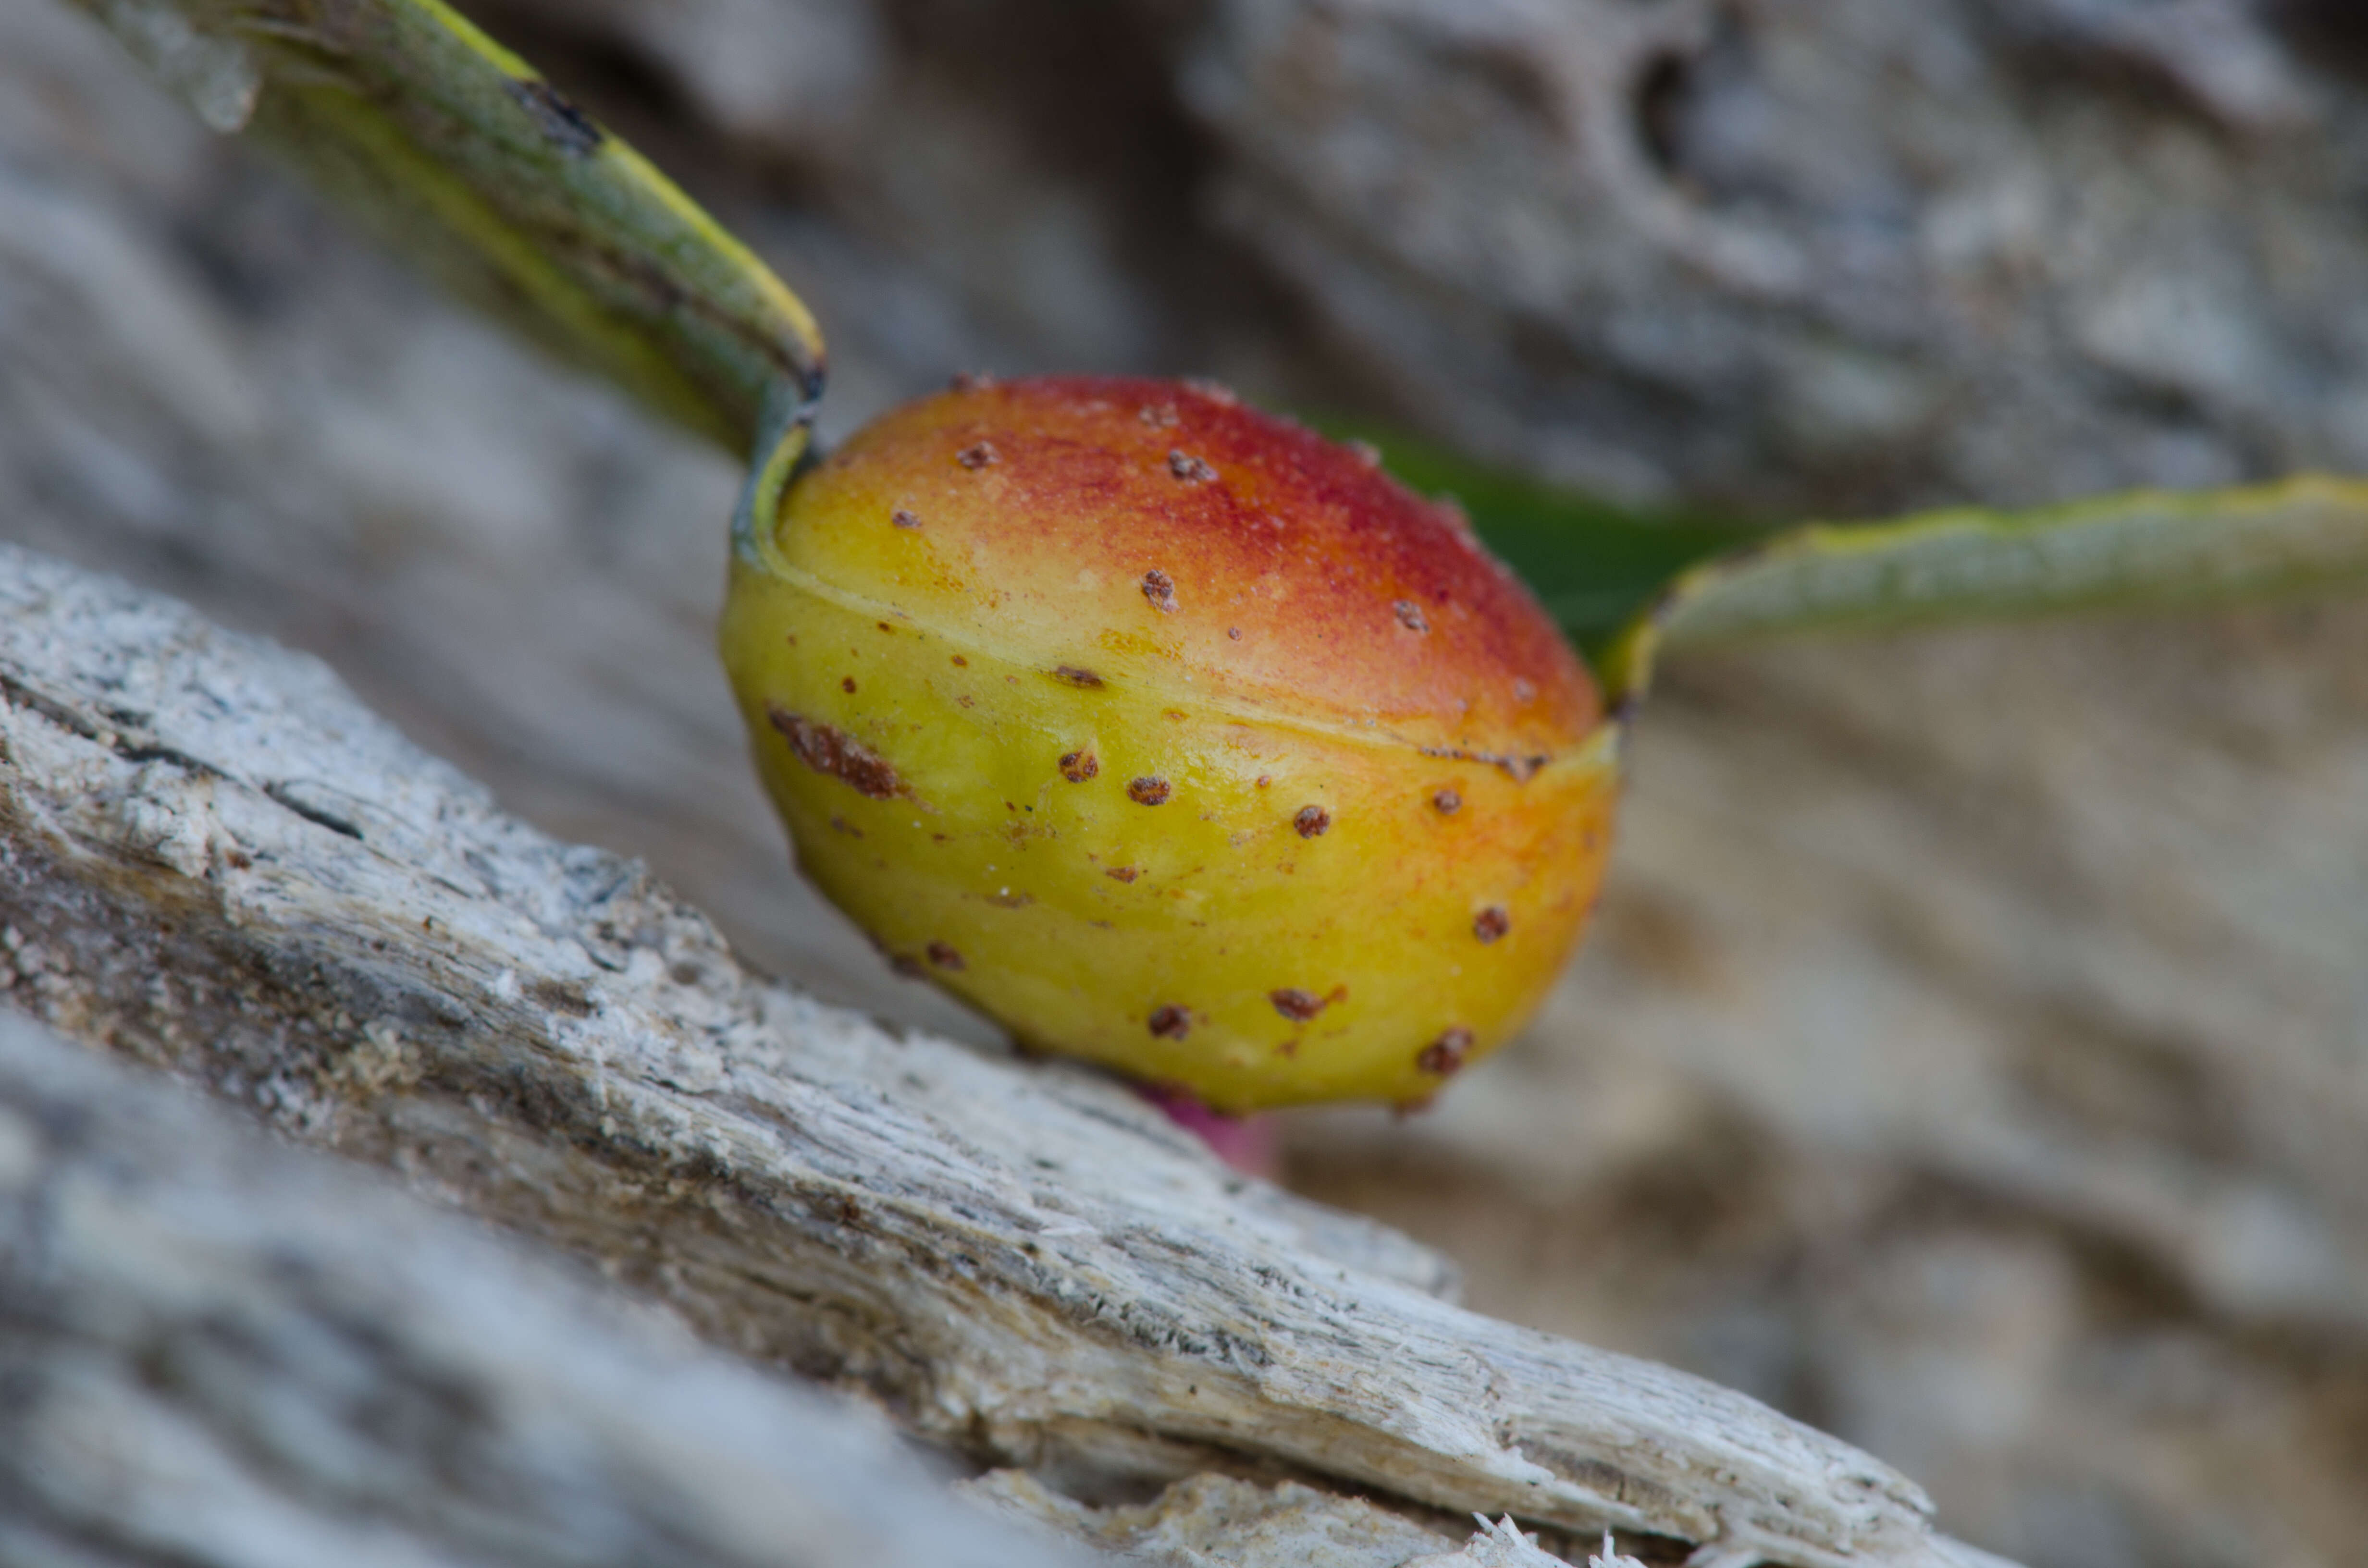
point(1209, 1520)
point(222, 1350)
point(217, 1350)
point(218, 861)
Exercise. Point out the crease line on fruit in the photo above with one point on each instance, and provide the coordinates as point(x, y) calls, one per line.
point(1601, 745)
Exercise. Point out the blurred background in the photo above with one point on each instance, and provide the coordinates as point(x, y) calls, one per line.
point(1971, 1056)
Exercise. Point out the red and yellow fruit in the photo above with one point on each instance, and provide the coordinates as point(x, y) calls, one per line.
point(1174, 736)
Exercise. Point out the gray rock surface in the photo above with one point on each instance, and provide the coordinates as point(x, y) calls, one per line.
point(1822, 254)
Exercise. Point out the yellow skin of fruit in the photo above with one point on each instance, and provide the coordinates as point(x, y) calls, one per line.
point(1025, 762)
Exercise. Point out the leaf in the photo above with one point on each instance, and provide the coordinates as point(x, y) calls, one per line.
point(453, 151)
point(2145, 548)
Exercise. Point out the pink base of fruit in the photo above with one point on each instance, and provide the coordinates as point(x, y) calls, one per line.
point(1247, 1143)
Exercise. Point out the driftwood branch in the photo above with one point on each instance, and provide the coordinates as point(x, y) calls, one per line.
point(218, 862)
point(220, 1350)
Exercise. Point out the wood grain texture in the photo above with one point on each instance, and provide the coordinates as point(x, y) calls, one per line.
point(218, 861)
point(220, 1350)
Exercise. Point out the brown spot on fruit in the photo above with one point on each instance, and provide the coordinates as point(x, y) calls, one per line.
point(1235, 633)
point(1444, 1055)
point(1312, 822)
point(840, 824)
point(1077, 767)
point(1189, 468)
point(975, 457)
point(962, 662)
point(1123, 873)
point(945, 956)
point(904, 519)
point(1410, 616)
point(1074, 675)
point(847, 684)
point(827, 749)
point(1160, 589)
point(1447, 802)
point(1491, 924)
point(1171, 1022)
point(1149, 790)
point(1301, 1005)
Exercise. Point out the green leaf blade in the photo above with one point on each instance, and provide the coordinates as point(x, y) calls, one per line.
point(2142, 548)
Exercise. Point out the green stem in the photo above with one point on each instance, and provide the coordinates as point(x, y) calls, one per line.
point(455, 151)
